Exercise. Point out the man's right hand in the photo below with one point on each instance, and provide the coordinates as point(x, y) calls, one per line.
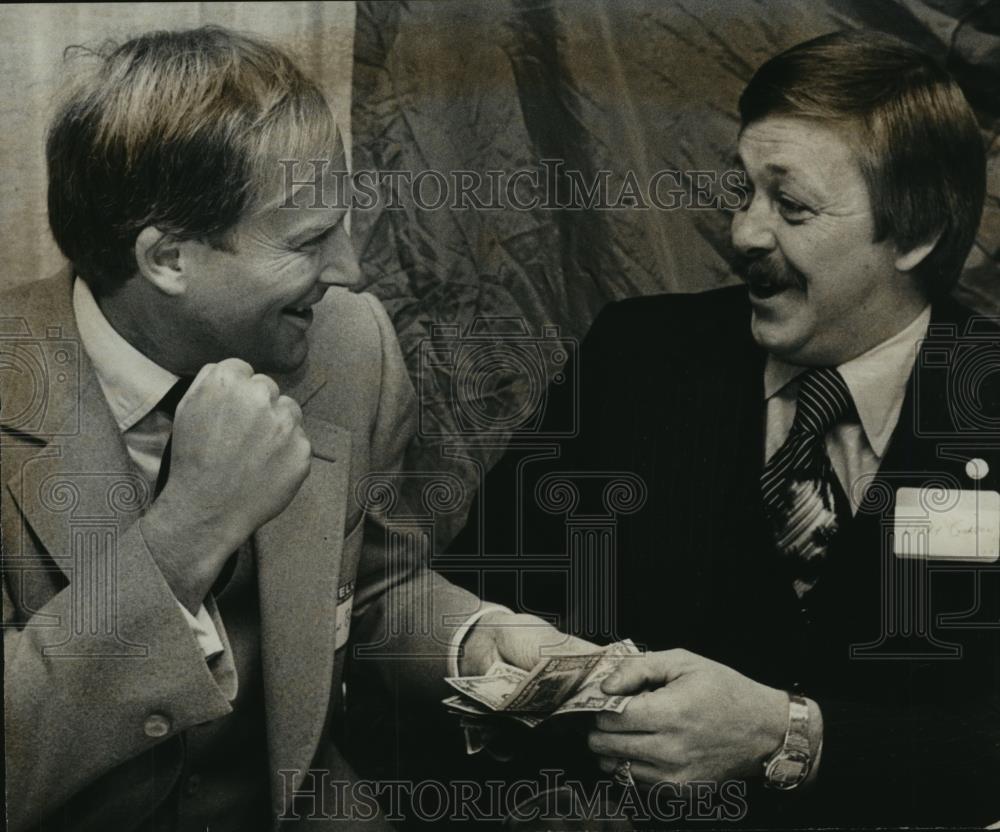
point(239, 456)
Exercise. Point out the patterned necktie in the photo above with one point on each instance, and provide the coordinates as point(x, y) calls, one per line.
point(802, 497)
point(168, 406)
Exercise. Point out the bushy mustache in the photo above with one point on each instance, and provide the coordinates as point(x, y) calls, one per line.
point(769, 269)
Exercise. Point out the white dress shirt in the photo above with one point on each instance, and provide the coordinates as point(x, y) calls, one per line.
point(133, 385)
point(877, 382)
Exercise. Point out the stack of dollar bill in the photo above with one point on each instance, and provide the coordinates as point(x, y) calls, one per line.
point(556, 685)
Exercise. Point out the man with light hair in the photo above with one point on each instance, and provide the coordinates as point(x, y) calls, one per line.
point(178, 662)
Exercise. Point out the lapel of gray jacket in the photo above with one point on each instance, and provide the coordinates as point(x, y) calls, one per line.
point(72, 471)
point(298, 564)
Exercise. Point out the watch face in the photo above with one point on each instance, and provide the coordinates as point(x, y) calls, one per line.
point(787, 770)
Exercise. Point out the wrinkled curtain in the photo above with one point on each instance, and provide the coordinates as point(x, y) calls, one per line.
point(585, 91)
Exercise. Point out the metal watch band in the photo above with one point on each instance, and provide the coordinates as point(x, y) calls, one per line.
point(797, 735)
point(789, 766)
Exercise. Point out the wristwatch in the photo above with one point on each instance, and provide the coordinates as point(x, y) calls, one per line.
point(789, 766)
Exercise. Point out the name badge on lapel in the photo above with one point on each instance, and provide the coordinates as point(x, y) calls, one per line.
point(947, 524)
point(345, 604)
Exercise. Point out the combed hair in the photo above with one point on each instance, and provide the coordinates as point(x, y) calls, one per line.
point(915, 136)
point(178, 130)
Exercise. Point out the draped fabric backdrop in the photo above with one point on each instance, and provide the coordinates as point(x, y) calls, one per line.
point(630, 87)
point(614, 88)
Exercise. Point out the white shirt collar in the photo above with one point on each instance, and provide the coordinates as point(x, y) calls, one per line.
point(876, 378)
point(132, 383)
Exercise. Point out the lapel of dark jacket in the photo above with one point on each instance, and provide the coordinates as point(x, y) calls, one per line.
point(695, 438)
point(927, 447)
point(941, 409)
point(751, 596)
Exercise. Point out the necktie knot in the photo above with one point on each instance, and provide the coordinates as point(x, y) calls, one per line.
point(172, 398)
point(823, 401)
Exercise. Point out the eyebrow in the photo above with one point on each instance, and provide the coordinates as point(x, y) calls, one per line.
point(779, 170)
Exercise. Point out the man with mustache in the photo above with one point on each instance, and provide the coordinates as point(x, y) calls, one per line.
point(824, 628)
point(193, 411)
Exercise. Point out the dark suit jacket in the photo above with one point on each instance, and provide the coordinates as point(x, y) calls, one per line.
point(902, 656)
point(102, 675)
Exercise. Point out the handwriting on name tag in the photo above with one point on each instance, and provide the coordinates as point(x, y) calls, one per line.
point(947, 524)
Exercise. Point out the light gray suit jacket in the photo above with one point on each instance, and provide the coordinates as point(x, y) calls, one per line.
point(102, 673)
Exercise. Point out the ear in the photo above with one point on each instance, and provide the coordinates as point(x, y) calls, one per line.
point(907, 261)
point(158, 256)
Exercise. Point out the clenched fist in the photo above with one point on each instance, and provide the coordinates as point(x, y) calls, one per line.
point(239, 456)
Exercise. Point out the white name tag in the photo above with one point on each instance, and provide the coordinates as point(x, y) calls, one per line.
point(947, 524)
point(345, 604)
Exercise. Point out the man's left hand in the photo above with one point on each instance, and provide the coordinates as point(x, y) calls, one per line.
point(520, 640)
point(691, 719)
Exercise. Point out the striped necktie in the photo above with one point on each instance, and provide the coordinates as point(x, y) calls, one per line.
point(802, 497)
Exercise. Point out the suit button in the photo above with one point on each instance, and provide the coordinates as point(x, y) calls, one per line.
point(192, 785)
point(156, 726)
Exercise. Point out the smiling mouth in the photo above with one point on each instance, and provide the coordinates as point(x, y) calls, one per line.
point(299, 313)
point(768, 277)
point(764, 289)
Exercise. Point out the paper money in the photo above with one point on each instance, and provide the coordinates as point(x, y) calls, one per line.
point(589, 696)
point(584, 701)
point(475, 740)
point(492, 689)
point(462, 706)
point(556, 685)
point(550, 682)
